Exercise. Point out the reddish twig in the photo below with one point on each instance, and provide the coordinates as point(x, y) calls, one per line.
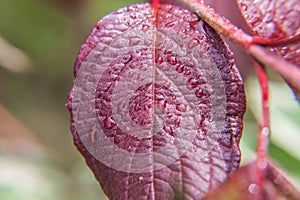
point(275, 43)
point(155, 4)
point(264, 128)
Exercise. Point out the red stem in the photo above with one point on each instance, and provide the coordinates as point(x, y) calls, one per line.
point(155, 4)
point(275, 43)
point(264, 129)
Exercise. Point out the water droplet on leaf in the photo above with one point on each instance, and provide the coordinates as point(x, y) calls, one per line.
point(187, 72)
point(127, 58)
point(109, 123)
point(199, 93)
point(172, 60)
point(194, 42)
point(145, 27)
point(192, 83)
point(170, 24)
point(180, 68)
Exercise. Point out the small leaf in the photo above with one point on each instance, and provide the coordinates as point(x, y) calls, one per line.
point(242, 185)
point(275, 21)
point(157, 104)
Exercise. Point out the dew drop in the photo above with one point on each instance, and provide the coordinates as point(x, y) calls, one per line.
point(167, 84)
point(254, 21)
point(187, 29)
point(269, 16)
point(199, 93)
point(181, 107)
point(92, 45)
point(134, 41)
point(271, 26)
point(161, 104)
point(160, 46)
point(201, 136)
point(170, 24)
point(206, 48)
point(266, 131)
point(194, 42)
point(172, 60)
point(244, 7)
point(262, 164)
point(115, 68)
point(117, 140)
point(109, 123)
point(200, 79)
point(168, 130)
point(127, 58)
point(192, 83)
point(180, 68)
point(169, 115)
point(168, 51)
point(158, 59)
point(145, 27)
point(284, 50)
point(187, 72)
point(133, 16)
point(253, 188)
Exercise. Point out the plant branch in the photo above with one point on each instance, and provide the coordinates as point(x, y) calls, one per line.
point(264, 129)
point(223, 26)
point(274, 43)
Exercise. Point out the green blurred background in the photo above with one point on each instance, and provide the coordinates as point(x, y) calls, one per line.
point(39, 41)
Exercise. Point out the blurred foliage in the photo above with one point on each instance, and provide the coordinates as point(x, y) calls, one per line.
point(50, 33)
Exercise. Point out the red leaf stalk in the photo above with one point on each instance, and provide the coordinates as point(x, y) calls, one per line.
point(264, 129)
point(155, 4)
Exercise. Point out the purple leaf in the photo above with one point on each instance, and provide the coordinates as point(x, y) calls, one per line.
point(242, 185)
point(157, 104)
point(276, 20)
